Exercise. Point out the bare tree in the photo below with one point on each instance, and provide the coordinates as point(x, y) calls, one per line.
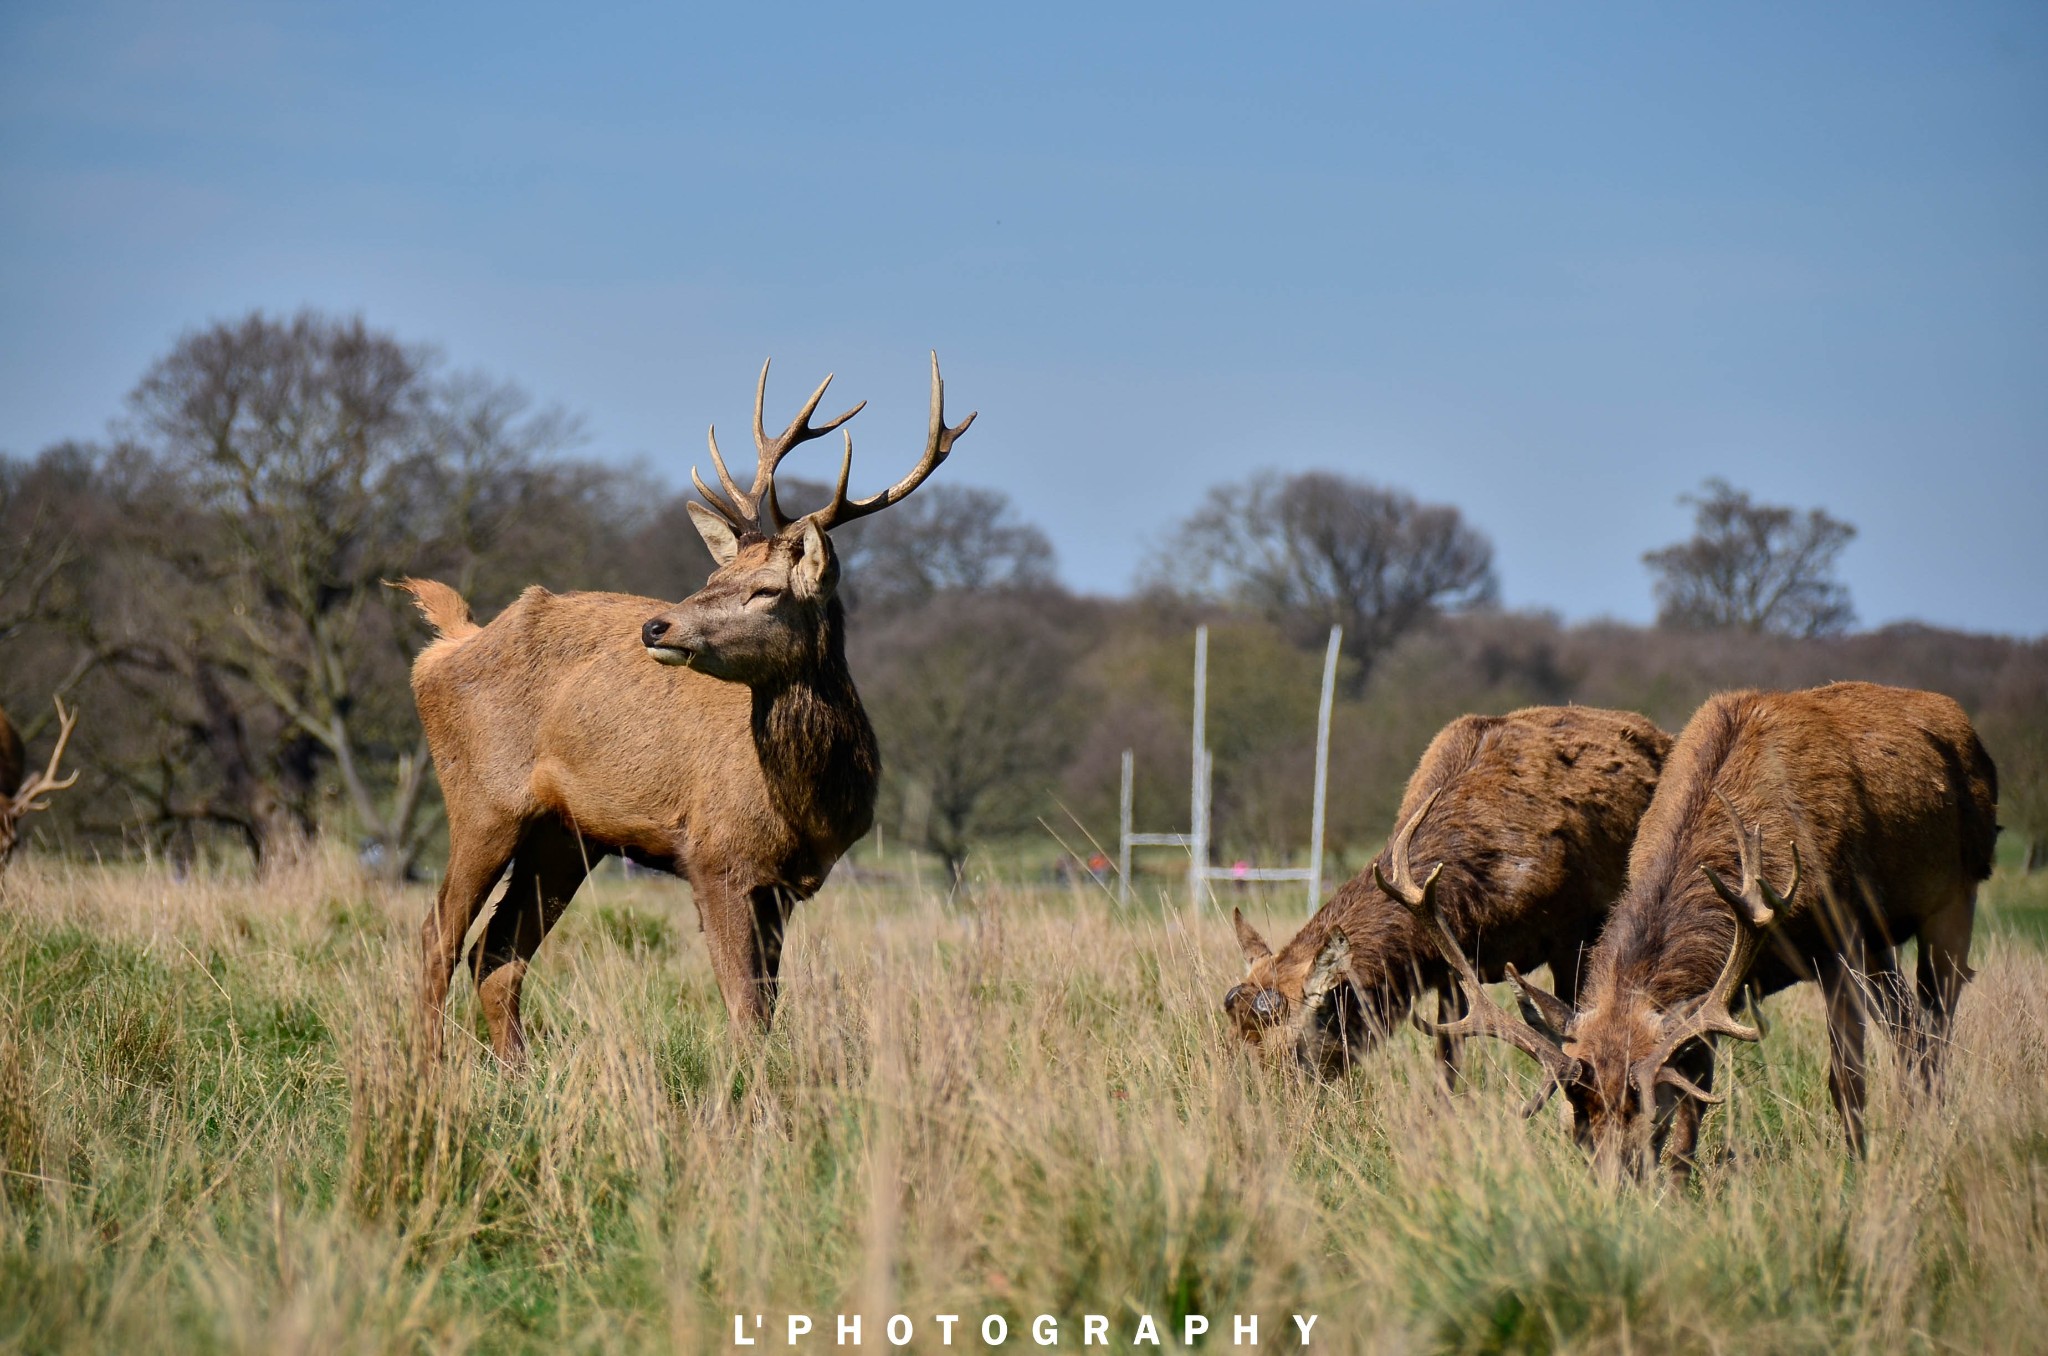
point(306, 447)
point(953, 538)
point(1753, 567)
point(966, 696)
point(1318, 548)
point(40, 544)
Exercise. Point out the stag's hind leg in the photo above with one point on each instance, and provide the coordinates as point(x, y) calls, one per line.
point(550, 864)
point(1943, 969)
point(477, 854)
point(1841, 983)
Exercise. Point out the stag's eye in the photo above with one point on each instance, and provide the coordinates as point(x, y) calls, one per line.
point(759, 594)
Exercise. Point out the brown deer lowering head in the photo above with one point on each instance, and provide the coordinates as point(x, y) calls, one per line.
point(759, 615)
point(1305, 1005)
point(1622, 1065)
point(20, 796)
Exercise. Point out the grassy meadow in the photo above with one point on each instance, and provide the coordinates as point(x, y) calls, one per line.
point(1016, 1102)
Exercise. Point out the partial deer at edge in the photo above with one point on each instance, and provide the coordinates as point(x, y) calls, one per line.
point(19, 795)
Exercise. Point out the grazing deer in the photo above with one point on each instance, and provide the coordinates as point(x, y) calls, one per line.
point(1875, 806)
point(719, 738)
point(21, 795)
point(1535, 812)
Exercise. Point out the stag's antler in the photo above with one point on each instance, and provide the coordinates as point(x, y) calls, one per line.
point(744, 509)
point(1757, 906)
point(938, 444)
point(1483, 1016)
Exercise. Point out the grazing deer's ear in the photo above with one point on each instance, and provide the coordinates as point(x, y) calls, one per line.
point(718, 535)
point(1332, 967)
point(815, 572)
point(1248, 940)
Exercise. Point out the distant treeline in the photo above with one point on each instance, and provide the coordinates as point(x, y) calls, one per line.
point(207, 589)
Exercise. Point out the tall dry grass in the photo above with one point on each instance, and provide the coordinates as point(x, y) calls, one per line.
point(1020, 1104)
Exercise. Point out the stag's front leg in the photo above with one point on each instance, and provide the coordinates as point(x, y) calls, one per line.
point(1681, 1137)
point(1846, 1021)
point(743, 928)
point(1450, 1007)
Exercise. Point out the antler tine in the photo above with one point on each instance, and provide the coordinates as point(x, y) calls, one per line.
point(740, 521)
point(1483, 1016)
point(44, 782)
point(771, 451)
point(758, 509)
point(938, 445)
point(1756, 907)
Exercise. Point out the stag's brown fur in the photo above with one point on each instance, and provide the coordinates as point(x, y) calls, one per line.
point(558, 740)
point(720, 738)
point(1533, 817)
point(1891, 801)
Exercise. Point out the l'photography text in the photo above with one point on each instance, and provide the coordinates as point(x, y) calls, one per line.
point(994, 1330)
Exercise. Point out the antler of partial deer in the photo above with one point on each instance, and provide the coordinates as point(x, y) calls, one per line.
point(744, 508)
point(1483, 1016)
point(41, 784)
point(1756, 906)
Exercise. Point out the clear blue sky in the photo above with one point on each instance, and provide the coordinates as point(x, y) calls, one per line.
point(1554, 264)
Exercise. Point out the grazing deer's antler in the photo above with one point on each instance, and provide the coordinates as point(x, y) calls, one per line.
point(744, 509)
point(1483, 1017)
point(938, 444)
point(1757, 906)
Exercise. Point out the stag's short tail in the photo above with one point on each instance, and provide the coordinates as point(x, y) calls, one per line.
point(444, 608)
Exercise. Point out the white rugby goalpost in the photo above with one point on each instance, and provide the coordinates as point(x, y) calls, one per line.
point(1196, 842)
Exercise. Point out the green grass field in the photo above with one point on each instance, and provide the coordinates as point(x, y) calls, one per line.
point(1017, 1105)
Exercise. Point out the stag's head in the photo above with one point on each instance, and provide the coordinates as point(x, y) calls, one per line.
point(1301, 1004)
point(1624, 1064)
point(761, 616)
point(33, 791)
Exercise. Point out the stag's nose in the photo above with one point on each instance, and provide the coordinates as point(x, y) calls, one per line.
point(653, 631)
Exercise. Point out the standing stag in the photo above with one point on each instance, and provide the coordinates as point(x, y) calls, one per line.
point(719, 738)
point(21, 795)
point(1875, 806)
point(1534, 814)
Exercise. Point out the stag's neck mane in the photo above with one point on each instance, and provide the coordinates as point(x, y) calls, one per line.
point(816, 745)
point(1670, 933)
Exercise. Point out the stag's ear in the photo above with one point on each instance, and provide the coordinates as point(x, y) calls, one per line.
point(815, 572)
point(1332, 967)
point(1248, 940)
point(718, 535)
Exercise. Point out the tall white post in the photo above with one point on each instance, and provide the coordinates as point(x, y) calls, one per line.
point(1123, 836)
point(1315, 833)
point(1198, 797)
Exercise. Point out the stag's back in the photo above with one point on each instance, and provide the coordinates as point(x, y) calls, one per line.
point(1887, 793)
point(1536, 799)
point(1534, 814)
